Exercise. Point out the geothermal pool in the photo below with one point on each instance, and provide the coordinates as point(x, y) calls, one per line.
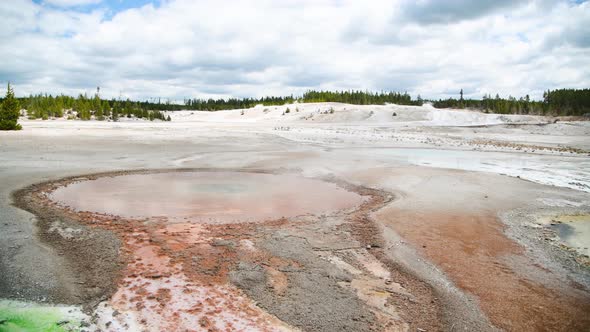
point(205, 196)
point(198, 232)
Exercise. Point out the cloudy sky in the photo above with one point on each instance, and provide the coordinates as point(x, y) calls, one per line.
point(191, 48)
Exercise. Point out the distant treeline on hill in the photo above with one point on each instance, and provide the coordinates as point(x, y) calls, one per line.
point(360, 97)
point(312, 96)
point(233, 103)
point(43, 106)
point(574, 102)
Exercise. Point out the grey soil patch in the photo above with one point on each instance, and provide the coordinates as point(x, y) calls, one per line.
point(312, 301)
point(92, 259)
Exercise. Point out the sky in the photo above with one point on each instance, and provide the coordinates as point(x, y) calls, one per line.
point(179, 49)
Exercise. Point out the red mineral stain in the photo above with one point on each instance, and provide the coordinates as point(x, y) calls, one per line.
point(178, 265)
point(473, 250)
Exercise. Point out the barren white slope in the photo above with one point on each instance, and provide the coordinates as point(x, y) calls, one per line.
point(356, 114)
point(530, 147)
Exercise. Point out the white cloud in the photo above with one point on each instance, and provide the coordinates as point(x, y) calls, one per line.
point(184, 48)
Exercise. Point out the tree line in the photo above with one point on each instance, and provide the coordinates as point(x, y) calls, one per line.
point(360, 97)
point(311, 96)
point(568, 102)
point(44, 106)
point(234, 103)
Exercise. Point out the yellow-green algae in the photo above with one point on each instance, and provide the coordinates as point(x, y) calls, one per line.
point(20, 316)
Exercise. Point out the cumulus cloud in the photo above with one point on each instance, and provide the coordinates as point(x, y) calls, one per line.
point(181, 48)
point(452, 11)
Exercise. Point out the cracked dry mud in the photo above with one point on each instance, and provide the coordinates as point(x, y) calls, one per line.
point(308, 271)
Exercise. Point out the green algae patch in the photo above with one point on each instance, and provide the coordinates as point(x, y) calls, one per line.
point(19, 316)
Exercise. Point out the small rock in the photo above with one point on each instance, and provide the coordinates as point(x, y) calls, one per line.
point(223, 243)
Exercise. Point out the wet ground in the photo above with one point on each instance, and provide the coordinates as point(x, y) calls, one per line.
point(175, 275)
point(426, 248)
point(471, 248)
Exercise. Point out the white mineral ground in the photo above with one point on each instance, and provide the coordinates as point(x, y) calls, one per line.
point(489, 210)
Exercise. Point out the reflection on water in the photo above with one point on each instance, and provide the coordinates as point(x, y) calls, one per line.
point(227, 188)
point(563, 171)
point(574, 231)
point(206, 196)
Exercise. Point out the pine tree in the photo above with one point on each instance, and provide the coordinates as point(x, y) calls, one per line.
point(97, 106)
point(82, 107)
point(106, 109)
point(116, 110)
point(9, 111)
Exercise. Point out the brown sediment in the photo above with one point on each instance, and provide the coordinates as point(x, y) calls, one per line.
point(520, 146)
point(474, 252)
point(175, 274)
